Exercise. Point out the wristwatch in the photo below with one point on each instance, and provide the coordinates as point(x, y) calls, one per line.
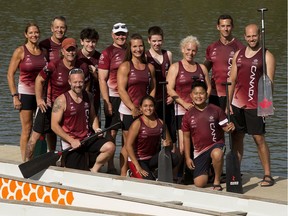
point(16, 94)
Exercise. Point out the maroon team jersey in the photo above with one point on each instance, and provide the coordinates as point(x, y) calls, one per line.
point(148, 140)
point(58, 78)
point(137, 87)
point(29, 68)
point(76, 117)
point(221, 56)
point(183, 84)
point(110, 60)
point(249, 71)
point(205, 127)
point(160, 71)
point(53, 49)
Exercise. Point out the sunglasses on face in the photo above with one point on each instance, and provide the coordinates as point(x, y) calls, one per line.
point(75, 71)
point(120, 33)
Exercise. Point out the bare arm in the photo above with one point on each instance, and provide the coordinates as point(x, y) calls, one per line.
point(208, 65)
point(39, 84)
point(170, 56)
point(153, 80)
point(103, 77)
point(16, 58)
point(207, 79)
point(271, 65)
point(59, 107)
point(187, 149)
point(94, 120)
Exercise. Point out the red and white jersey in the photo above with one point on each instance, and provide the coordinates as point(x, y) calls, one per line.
point(160, 71)
point(148, 140)
point(183, 84)
point(76, 117)
point(110, 60)
point(221, 56)
point(53, 49)
point(137, 87)
point(205, 127)
point(249, 71)
point(29, 68)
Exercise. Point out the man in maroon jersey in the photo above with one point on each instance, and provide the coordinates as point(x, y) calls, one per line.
point(73, 119)
point(247, 68)
point(219, 57)
point(204, 124)
point(109, 62)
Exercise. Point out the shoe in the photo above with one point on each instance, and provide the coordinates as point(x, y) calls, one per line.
point(217, 187)
point(267, 179)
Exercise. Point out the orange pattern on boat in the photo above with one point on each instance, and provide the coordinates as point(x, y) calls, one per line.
point(24, 191)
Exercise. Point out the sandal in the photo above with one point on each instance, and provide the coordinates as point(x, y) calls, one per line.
point(267, 179)
point(217, 187)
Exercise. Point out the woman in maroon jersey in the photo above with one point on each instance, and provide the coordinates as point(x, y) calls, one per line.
point(143, 140)
point(30, 60)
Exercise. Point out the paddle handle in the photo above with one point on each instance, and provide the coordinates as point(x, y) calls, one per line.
point(262, 10)
point(164, 83)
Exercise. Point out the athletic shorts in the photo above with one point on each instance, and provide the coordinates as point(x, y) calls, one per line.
point(28, 102)
point(247, 121)
point(203, 161)
point(218, 101)
point(179, 121)
point(42, 121)
point(170, 118)
point(110, 120)
point(76, 158)
point(127, 120)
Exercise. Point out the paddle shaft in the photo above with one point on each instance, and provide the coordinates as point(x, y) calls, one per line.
point(228, 110)
point(164, 83)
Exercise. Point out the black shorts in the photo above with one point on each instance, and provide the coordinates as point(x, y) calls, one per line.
point(42, 122)
point(76, 158)
point(179, 121)
point(127, 120)
point(247, 121)
point(203, 161)
point(218, 101)
point(110, 120)
point(28, 102)
point(170, 118)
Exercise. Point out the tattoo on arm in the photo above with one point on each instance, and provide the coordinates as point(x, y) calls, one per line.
point(57, 105)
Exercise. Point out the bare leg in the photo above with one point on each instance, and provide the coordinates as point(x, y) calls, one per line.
point(217, 156)
point(201, 181)
point(124, 156)
point(107, 150)
point(111, 135)
point(179, 150)
point(237, 140)
point(26, 118)
point(31, 145)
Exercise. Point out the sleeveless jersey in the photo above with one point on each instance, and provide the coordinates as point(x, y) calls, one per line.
point(110, 60)
point(58, 79)
point(53, 49)
point(205, 127)
point(148, 140)
point(29, 68)
point(183, 85)
point(249, 72)
point(138, 86)
point(221, 56)
point(76, 117)
point(160, 71)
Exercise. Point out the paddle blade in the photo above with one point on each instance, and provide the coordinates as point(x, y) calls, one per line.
point(233, 174)
point(265, 98)
point(39, 163)
point(40, 147)
point(165, 173)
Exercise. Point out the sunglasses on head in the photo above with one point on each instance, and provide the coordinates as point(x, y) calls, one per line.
point(76, 71)
point(119, 26)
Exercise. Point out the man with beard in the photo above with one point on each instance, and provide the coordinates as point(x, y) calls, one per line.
point(247, 68)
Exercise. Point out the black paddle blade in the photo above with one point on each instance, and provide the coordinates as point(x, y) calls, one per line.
point(233, 174)
point(39, 163)
point(165, 173)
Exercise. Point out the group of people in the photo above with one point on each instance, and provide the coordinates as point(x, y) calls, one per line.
point(64, 83)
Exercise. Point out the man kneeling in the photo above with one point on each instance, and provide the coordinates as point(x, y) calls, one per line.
point(73, 119)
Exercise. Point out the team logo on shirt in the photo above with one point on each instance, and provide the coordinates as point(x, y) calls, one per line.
point(255, 62)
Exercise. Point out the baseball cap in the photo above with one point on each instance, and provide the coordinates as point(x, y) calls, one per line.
point(69, 42)
point(119, 27)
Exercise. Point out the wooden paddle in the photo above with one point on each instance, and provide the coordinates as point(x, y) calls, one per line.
point(265, 98)
point(165, 172)
point(43, 161)
point(233, 172)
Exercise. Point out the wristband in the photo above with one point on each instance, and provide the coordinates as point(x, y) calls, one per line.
point(13, 95)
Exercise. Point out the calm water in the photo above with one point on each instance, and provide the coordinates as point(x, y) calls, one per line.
point(178, 18)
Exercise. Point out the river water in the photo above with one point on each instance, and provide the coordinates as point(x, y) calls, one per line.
point(178, 18)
